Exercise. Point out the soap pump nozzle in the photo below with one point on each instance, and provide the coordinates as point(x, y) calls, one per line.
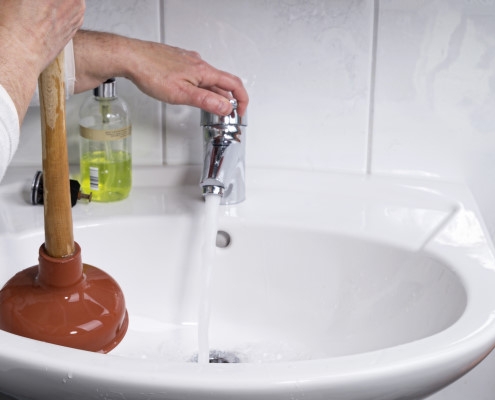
point(75, 190)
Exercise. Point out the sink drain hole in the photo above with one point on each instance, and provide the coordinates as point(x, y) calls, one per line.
point(220, 357)
point(223, 239)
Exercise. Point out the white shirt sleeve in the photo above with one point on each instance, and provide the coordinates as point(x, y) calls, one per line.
point(70, 75)
point(9, 130)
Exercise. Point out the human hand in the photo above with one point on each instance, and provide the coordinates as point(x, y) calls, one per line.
point(32, 34)
point(167, 73)
point(40, 29)
point(178, 76)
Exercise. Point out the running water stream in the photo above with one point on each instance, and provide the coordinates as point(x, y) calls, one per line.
point(212, 203)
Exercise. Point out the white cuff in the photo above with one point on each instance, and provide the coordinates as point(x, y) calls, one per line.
point(69, 74)
point(9, 130)
point(70, 69)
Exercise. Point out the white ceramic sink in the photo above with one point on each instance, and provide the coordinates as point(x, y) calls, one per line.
point(332, 287)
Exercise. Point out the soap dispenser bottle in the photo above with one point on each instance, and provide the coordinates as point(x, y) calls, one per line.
point(105, 145)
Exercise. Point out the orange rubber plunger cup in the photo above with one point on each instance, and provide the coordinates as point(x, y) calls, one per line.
point(61, 300)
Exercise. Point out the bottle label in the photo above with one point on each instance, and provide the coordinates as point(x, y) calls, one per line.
point(94, 180)
point(105, 134)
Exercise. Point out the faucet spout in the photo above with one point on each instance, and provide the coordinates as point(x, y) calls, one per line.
point(224, 156)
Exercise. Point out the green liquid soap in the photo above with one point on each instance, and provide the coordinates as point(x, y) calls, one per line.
point(107, 176)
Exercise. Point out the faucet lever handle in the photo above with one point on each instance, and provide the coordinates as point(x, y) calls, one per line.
point(210, 119)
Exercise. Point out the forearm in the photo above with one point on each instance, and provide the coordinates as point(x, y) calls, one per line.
point(97, 58)
point(167, 73)
point(18, 76)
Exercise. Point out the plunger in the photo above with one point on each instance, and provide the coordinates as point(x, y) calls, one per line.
point(61, 300)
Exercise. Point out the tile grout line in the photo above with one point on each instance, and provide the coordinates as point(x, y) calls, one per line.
point(161, 13)
point(372, 76)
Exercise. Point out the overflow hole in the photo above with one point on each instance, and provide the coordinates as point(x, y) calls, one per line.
point(223, 239)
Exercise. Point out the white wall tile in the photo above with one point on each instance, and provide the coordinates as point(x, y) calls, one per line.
point(305, 65)
point(140, 19)
point(434, 86)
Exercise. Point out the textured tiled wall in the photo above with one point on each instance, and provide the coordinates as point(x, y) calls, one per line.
point(434, 86)
point(306, 65)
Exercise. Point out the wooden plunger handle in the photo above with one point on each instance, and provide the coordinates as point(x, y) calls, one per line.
point(59, 236)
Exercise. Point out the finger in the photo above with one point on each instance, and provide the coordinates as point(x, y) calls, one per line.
point(206, 99)
point(221, 92)
point(229, 86)
point(241, 104)
point(242, 100)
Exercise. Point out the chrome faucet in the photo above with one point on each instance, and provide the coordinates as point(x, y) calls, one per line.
point(224, 153)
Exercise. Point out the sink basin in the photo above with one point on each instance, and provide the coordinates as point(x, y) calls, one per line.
point(345, 287)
